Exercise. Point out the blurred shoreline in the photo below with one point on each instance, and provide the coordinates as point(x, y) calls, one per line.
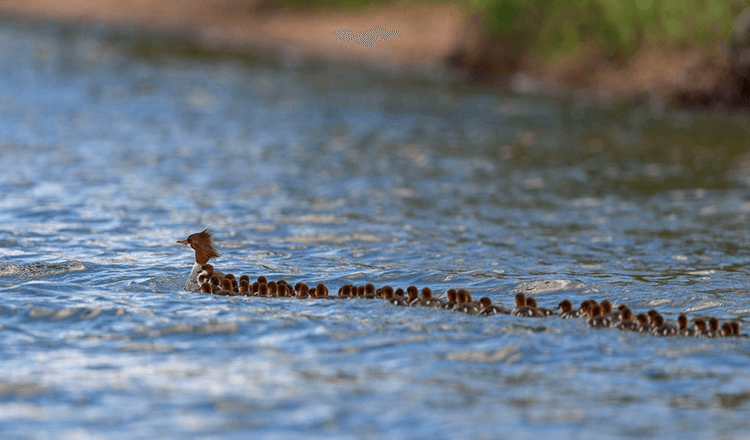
point(425, 39)
point(427, 32)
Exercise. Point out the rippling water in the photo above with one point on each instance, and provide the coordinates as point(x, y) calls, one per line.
point(113, 148)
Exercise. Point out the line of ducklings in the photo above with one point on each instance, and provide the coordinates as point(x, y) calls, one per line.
point(596, 315)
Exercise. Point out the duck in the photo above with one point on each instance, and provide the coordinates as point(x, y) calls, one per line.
point(345, 291)
point(596, 320)
point(202, 244)
point(713, 329)
point(626, 322)
point(321, 291)
point(303, 292)
point(661, 328)
point(682, 326)
point(583, 310)
point(263, 290)
point(487, 308)
point(369, 291)
point(427, 300)
point(521, 309)
point(465, 304)
point(412, 294)
point(206, 288)
point(531, 302)
point(642, 322)
point(226, 288)
point(450, 304)
point(566, 310)
point(700, 328)
point(244, 287)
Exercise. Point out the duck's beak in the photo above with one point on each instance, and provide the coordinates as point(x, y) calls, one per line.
point(182, 242)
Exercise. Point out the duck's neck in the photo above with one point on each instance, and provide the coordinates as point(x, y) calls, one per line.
point(192, 281)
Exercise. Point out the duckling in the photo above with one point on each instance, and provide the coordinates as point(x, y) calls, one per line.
point(522, 309)
point(566, 310)
point(682, 327)
point(487, 308)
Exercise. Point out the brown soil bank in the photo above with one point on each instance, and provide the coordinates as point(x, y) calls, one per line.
point(421, 38)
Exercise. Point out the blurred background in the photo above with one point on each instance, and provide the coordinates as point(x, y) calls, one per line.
point(566, 150)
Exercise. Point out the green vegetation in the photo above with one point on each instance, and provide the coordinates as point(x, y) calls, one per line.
point(618, 27)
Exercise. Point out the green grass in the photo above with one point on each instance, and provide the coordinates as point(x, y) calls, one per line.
point(554, 28)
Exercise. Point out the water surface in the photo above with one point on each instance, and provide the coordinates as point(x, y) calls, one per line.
point(111, 151)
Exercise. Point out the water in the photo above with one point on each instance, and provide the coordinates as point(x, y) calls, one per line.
point(114, 148)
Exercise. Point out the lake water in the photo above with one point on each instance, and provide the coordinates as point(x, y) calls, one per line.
point(114, 146)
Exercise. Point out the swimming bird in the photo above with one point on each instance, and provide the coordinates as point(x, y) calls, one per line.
point(428, 300)
point(487, 308)
point(521, 309)
point(566, 310)
point(531, 302)
point(682, 324)
point(202, 244)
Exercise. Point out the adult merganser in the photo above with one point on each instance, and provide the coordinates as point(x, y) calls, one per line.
point(202, 244)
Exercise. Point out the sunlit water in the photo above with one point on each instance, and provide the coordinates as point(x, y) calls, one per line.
point(111, 152)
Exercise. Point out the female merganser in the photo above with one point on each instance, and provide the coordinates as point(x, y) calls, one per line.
point(487, 308)
point(206, 288)
point(201, 243)
point(682, 324)
point(726, 330)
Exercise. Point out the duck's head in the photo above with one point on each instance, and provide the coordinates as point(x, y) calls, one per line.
point(202, 244)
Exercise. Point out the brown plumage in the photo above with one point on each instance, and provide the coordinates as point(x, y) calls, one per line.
point(202, 244)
